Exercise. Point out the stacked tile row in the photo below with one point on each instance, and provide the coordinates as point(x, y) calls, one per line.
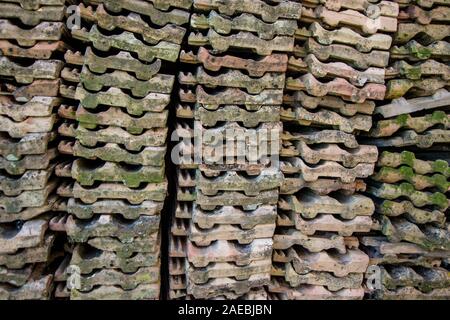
point(31, 35)
point(116, 133)
point(412, 246)
point(352, 204)
point(185, 190)
point(231, 89)
point(70, 77)
point(184, 180)
point(334, 78)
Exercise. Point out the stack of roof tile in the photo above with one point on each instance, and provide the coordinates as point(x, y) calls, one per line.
point(353, 204)
point(231, 90)
point(70, 78)
point(334, 77)
point(117, 138)
point(418, 79)
point(31, 35)
point(409, 187)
